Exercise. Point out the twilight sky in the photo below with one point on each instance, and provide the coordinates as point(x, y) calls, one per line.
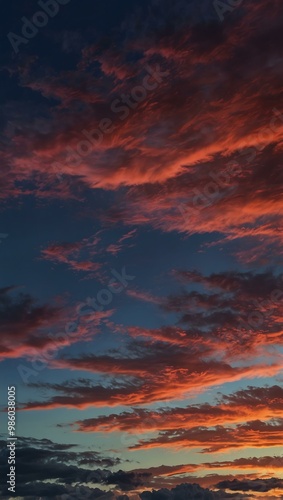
point(141, 295)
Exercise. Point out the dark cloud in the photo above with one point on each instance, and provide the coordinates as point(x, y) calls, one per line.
point(23, 323)
point(260, 485)
point(41, 460)
point(236, 309)
point(128, 480)
point(27, 327)
point(184, 492)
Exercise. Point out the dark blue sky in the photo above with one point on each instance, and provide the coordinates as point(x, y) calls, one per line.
point(165, 230)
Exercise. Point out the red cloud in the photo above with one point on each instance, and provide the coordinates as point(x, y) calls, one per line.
point(26, 327)
point(183, 167)
point(175, 380)
point(115, 248)
point(70, 254)
point(258, 403)
point(24, 324)
point(255, 434)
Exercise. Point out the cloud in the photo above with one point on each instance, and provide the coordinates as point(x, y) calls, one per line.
point(257, 463)
point(37, 331)
point(45, 450)
point(116, 248)
point(45, 468)
point(72, 254)
point(184, 101)
point(258, 402)
point(171, 148)
point(63, 466)
point(144, 297)
point(127, 481)
point(253, 465)
point(260, 485)
point(183, 492)
point(228, 327)
point(174, 378)
point(233, 309)
point(200, 153)
point(24, 324)
point(82, 394)
point(253, 434)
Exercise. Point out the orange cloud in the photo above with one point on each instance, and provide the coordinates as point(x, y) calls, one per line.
point(255, 434)
point(260, 403)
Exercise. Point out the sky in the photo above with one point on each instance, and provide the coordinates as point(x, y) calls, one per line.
point(141, 293)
